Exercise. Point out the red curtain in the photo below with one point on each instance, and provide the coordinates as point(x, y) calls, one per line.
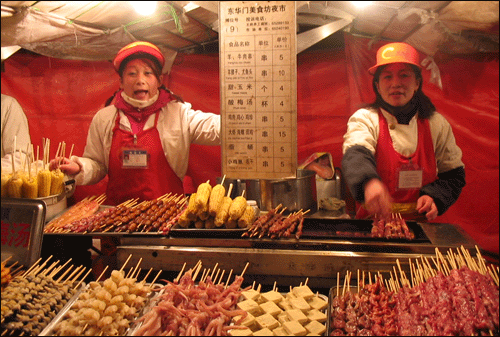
point(60, 98)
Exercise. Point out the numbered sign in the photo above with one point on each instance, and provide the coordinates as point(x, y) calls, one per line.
point(258, 76)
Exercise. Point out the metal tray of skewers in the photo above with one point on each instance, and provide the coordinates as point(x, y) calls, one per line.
point(37, 300)
point(107, 309)
point(363, 230)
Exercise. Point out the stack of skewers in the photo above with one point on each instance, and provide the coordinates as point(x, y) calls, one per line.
point(459, 296)
point(33, 179)
point(30, 301)
point(155, 215)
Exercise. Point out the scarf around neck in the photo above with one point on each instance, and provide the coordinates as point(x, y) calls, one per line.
point(404, 113)
point(139, 114)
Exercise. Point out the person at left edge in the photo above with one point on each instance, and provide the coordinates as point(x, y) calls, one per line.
point(147, 124)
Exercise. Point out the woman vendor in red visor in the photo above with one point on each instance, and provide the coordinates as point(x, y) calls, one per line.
point(400, 154)
point(141, 141)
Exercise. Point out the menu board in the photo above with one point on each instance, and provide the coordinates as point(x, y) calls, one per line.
point(258, 76)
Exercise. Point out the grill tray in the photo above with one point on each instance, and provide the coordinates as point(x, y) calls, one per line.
point(354, 229)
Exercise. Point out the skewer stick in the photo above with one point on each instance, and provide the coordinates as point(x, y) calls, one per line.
point(126, 262)
point(78, 275)
point(203, 274)
point(157, 275)
point(358, 281)
point(71, 151)
point(216, 275)
point(307, 279)
point(136, 267)
point(213, 271)
point(246, 266)
point(180, 273)
point(221, 276)
point(274, 286)
point(4, 262)
point(197, 271)
point(64, 274)
point(83, 278)
point(345, 282)
point(97, 280)
point(229, 277)
point(32, 267)
point(145, 277)
point(74, 272)
point(223, 178)
point(230, 189)
point(338, 283)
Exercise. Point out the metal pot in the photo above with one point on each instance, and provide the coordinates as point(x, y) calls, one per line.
point(293, 193)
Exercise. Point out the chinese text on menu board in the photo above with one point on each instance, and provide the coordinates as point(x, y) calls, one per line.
point(258, 89)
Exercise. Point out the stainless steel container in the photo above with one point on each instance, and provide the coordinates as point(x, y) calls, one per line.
point(293, 193)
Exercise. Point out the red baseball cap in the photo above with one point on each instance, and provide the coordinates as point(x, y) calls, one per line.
point(138, 47)
point(395, 53)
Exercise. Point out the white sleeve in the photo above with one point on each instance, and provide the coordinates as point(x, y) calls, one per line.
point(363, 130)
point(204, 127)
point(14, 123)
point(95, 160)
point(448, 154)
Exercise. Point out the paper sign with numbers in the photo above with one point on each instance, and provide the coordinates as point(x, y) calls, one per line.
point(258, 76)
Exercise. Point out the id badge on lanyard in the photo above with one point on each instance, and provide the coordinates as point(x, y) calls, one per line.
point(409, 176)
point(134, 156)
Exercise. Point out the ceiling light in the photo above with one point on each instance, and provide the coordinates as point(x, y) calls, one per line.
point(361, 4)
point(144, 7)
point(190, 6)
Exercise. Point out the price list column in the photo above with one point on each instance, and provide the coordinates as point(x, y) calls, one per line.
point(258, 89)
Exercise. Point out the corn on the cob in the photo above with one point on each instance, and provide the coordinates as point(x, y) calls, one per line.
point(247, 218)
point(191, 208)
point(216, 197)
point(223, 212)
point(5, 182)
point(44, 177)
point(183, 220)
point(56, 182)
point(199, 224)
point(14, 187)
point(231, 224)
point(202, 195)
point(30, 187)
point(209, 223)
point(237, 207)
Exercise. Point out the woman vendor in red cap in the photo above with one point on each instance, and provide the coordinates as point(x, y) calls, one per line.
point(400, 154)
point(141, 141)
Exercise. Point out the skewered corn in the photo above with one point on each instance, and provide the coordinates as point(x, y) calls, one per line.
point(184, 221)
point(5, 181)
point(231, 224)
point(30, 187)
point(202, 195)
point(209, 223)
point(216, 197)
point(223, 212)
point(237, 207)
point(56, 182)
point(14, 186)
point(247, 218)
point(191, 208)
point(44, 177)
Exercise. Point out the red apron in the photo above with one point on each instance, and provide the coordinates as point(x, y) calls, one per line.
point(143, 183)
point(389, 162)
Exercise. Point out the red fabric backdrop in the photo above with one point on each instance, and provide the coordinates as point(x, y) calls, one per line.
point(60, 97)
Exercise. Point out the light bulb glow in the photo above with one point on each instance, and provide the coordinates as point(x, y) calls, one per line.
point(361, 4)
point(144, 7)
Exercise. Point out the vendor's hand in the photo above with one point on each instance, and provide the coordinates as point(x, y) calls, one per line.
point(425, 204)
point(66, 165)
point(377, 198)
